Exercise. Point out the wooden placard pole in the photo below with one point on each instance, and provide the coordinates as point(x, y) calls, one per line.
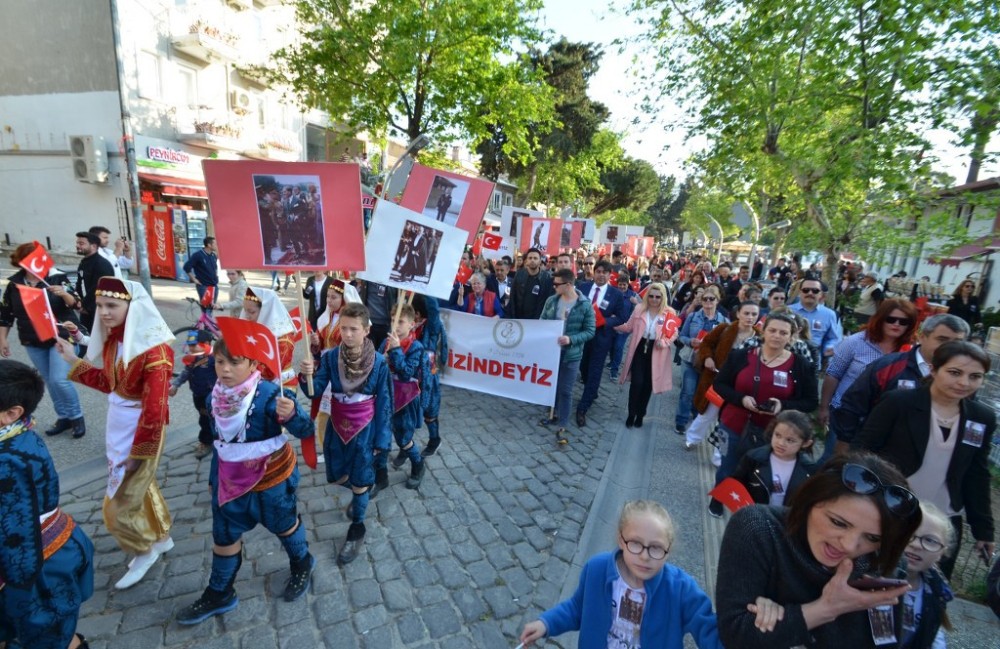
point(304, 319)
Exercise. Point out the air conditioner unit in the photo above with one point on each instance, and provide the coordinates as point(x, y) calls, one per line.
point(90, 158)
point(240, 100)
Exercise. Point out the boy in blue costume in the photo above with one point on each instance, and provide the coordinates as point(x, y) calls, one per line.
point(360, 415)
point(408, 364)
point(46, 561)
point(199, 374)
point(434, 338)
point(254, 478)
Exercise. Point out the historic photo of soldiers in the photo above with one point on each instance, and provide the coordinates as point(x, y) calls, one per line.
point(415, 255)
point(291, 220)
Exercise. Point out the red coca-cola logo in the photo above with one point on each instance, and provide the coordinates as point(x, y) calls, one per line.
point(160, 229)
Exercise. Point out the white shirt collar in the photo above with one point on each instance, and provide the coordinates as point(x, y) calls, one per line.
point(923, 365)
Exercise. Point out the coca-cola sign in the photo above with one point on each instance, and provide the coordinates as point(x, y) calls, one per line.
point(164, 154)
point(160, 229)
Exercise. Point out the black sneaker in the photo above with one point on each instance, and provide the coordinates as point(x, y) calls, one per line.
point(400, 459)
point(431, 448)
point(79, 427)
point(715, 508)
point(381, 481)
point(353, 544)
point(416, 475)
point(210, 603)
point(298, 581)
point(680, 429)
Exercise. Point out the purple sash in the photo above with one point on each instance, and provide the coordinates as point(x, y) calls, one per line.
point(238, 478)
point(403, 392)
point(349, 419)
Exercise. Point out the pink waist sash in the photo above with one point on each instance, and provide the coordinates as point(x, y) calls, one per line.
point(349, 419)
point(403, 392)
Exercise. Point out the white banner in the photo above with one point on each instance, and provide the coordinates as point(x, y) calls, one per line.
point(517, 359)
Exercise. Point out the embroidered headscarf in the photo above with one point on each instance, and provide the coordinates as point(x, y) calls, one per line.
point(350, 295)
point(144, 326)
point(273, 313)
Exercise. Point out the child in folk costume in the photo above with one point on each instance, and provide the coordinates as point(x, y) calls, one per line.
point(360, 418)
point(432, 335)
point(327, 336)
point(129, 359)
point(254, 479)
point(408, 364)
point(46, 560)
point(199, 374)
point(263, 306)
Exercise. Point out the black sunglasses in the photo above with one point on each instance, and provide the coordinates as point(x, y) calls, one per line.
point(708, 298)
point(863, 481)
point(811, 290)
point(891, 319)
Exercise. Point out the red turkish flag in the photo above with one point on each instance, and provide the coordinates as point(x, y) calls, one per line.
point(464, 273)
point(208, 299)
point(251, 340)
point(671, 325)
point(36, 304)
point(492, 241)
point(477, 246)
point(297, 321)
point(731, 493)
point(38, 263)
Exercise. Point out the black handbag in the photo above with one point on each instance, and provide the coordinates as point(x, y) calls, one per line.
point(752, 435)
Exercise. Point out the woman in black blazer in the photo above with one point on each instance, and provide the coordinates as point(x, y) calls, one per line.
point(941, 440)
point(965, 304)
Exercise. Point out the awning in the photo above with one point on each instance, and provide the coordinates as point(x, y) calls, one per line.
point(173, 186)
point(981, 246)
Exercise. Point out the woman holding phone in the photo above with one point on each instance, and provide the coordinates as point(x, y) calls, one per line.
point(786, 574)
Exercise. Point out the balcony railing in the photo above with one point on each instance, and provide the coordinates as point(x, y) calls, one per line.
point(208, 43)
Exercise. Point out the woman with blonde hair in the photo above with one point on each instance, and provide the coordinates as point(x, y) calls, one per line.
point(648, 361)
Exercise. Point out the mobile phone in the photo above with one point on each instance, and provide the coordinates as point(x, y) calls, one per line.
point(984, 554)
point(874, 582)
point(767, 406)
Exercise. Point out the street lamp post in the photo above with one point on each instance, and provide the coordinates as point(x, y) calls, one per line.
point(722, 236)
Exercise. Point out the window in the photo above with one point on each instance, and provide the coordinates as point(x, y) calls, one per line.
point(508, 199)
point(187, 87)
point(148, 72)
point(497, 198)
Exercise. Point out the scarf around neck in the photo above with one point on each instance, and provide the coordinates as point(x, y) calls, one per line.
point(230, 404)
point(354, 366)
point(13, 429)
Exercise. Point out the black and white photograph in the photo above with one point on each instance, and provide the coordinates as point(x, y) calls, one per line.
point(290, 209)
point(445, 200)
point(411, 251)
point(415, 255)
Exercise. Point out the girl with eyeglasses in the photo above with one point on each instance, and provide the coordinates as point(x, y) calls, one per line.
point(892, 326)
point(784, 572)
point(940, 439)
point(965, 304)
point(632, 597)
point(647, 362)
point(924, 612)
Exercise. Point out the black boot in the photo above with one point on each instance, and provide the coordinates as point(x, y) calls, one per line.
point(352, 546)
point(79, 427)
point(431, 448)
point(298, 581)
point(211, 602)
point(58, 427)
point(83, 642)
point(381, 481)
point(416, 475)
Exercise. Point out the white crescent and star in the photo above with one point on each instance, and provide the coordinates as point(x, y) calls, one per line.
point(35, 269)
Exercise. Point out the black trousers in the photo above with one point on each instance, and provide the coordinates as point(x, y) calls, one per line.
point(947, 562)
point(641, 381)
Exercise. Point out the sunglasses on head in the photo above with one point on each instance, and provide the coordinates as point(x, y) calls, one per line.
point(893, 320)
point(863, 481)
point(814, 291)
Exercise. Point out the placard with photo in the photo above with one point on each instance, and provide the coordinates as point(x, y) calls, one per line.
point(286, 215)
point(448, 198)
point(510, 220)
point(543, 234)
point(411, 251)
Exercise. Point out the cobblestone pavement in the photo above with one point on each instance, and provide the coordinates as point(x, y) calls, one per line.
point(485, 544)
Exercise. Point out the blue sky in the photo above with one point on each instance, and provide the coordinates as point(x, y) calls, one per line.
point(590, 21)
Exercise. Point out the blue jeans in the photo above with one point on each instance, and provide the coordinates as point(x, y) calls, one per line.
point(617, 352)
point(685, 403)
point(830, 443)
point(54, 370)
point(568, 371)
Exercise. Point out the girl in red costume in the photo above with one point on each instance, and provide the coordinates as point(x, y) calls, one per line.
point(263, 306)
point(128, 358)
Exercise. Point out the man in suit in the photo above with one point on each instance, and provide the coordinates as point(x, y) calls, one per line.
point(610, 303)
point(315, 293)
point(504, 281)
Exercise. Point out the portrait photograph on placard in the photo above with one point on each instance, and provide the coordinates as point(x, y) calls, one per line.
point(447, 197)
point(510, 220)
point(611, 234)
point(290, 209)
point(415, 255)
point(286, 215)
point(412, 251)
point(543, 234)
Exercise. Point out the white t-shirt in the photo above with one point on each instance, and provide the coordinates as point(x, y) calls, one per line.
point(627, 608)
point(781, 474)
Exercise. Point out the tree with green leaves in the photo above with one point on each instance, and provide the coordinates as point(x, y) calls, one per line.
point(444, 68)
point(820, 104)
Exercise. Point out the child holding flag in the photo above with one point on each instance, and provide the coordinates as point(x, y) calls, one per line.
point(34, 297)
point(432, 335)
point(263, 306)
point(361, 415)
point(253, 479)
point(408, 364)
point(199, 374)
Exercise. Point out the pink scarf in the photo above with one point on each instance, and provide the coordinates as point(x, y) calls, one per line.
point(226, 402)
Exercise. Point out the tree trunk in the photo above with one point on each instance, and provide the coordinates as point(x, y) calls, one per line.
point(530, 189)
point(830, 275)
point(982, 128)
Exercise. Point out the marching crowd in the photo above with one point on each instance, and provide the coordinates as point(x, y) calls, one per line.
point(854, 544)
